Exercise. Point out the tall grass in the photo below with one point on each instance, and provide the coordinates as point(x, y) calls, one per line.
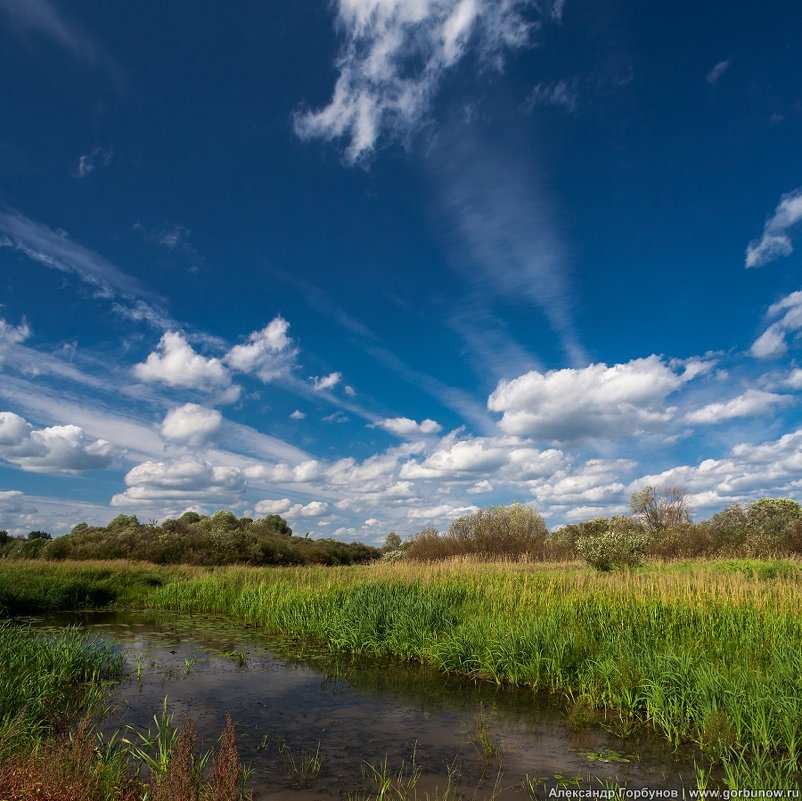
point(28, 587)
point(708, 653)
point(46, 680)
point(703, 653)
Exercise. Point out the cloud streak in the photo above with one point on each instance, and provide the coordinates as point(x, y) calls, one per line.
point(42, 18)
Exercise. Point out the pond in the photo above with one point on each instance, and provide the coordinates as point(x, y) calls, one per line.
point(293, 702)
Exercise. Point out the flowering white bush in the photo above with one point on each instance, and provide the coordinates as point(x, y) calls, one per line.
point(615, 547)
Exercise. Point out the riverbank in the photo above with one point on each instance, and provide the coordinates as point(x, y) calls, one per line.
point(708, 653)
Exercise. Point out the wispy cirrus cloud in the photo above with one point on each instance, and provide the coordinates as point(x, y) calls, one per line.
point(502, 232)
point(715, 73)
point(395, 54)
point(55, 250)
point(559, 94)
point(775, 241)
point(89, 162)
point(43, 18)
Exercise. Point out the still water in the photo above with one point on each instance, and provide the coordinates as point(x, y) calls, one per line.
point(292, 701)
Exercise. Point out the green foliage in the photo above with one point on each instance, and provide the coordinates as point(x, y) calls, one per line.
point(496, 532)
point(658, 508)
point(46, 680)
point(222, 539)
point(620, 546)
point(392, 542)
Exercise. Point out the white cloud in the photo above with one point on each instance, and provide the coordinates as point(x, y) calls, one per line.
point(794, 379)
point(396, 53)
point(326, 382)
point(287, 508)
point(176, 364)
point(11, 335)
point(277, 507)
point(405, 427)
point(749, 472)
point(56, 251)
point(717, 71)
point(269, 353)
point(186, 480)
point(456, 457)
point(350, 391)
point(298, 415)
point(439, 512)
point(283, 473)
point(751, 402)
point(89, 162)
point(43, 18)
point(775, 241)
point(771, 344)
point(592, 402)
point(56, 449)
point(560, 94)
point(191, 424)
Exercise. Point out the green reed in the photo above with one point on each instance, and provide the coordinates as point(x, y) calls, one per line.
point(706, 653)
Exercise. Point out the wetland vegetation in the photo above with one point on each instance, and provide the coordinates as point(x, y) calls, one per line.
point(704, 653)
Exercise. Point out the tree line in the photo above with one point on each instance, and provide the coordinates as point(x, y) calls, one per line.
point(218, 539)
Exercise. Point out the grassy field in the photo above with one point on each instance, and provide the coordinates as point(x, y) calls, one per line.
point(707, 653)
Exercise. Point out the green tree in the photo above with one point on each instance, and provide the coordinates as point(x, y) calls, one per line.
point(659, 508)
point(392, 542)
point(773, 517)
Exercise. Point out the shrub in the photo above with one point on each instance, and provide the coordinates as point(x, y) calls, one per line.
point(623, 546)
point(497, 532)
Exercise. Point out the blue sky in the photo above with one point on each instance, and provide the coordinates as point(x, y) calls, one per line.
point(372, 264)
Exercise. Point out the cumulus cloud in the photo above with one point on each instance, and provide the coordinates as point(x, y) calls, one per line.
point(56, 449)
point(186, 480)
point(286, 507)
point(11, 335)
point(268, 353)
point(592, 402)
point(405, 427)
point(775, 241)
point(325, 382)
point(749, 472)
point(394, 56)
point(283, 473)
point(751, 402)
point(191, 424)
point(297, 415)
point(772, 344)
point(456, 457)
point(176, 364)
point(441, 511)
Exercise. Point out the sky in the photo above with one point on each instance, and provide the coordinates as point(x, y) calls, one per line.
point(374, 264)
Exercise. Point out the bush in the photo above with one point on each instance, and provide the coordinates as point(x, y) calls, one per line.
point(497, 532)
point(624, 546)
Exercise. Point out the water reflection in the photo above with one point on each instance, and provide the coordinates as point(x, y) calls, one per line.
point(292, 700)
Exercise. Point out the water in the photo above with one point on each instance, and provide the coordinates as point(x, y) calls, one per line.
point(291, 700)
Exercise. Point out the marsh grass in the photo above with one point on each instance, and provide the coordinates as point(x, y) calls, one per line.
point(704, 653)
point(47, 680)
